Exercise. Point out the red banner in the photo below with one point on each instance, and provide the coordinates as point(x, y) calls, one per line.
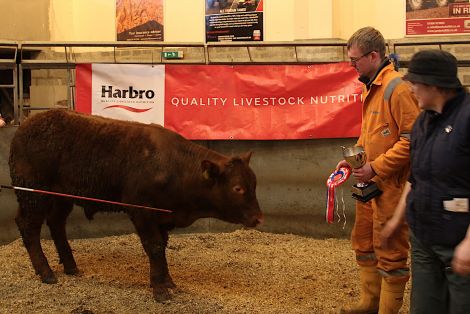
point(260, 102)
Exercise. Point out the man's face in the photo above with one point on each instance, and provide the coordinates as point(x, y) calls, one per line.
point(361, 61)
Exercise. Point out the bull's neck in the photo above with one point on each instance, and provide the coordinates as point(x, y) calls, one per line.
point(191, 163)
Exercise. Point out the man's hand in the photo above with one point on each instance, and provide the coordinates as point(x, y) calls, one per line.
point(342, 163)
point(364, 174)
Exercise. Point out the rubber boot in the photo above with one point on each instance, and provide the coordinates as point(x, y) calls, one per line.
point(370, 293)
point(391, 297)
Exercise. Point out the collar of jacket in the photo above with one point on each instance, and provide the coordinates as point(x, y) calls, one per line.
point(377, 78)
point(449, 106)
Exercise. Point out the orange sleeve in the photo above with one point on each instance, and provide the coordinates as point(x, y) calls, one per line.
point(404, 109)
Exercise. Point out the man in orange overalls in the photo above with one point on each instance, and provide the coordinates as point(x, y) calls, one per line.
point(388, 113)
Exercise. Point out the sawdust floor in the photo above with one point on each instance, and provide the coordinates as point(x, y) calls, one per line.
point(245, 271)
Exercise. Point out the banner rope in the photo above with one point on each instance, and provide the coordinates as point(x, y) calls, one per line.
point(343, 209)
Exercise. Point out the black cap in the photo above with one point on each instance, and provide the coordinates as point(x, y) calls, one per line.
point(433, 67)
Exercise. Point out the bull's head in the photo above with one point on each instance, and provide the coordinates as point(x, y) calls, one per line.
point(233, 190)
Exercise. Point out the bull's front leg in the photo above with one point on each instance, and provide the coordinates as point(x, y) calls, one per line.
point(154, 245)
point(168, 280)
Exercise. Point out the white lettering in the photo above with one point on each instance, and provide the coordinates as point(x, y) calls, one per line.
point(194, 101)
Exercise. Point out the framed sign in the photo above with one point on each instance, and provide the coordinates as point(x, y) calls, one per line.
point(139, 20)
point(234, 20)
point(437, 17)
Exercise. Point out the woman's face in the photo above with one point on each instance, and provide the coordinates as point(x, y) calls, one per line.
point(425, 94)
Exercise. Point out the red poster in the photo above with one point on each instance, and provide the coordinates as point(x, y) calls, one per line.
point(261, 102)
point(437, 17)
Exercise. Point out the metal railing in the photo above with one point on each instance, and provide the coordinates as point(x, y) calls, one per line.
point(10, 64)
point(65, 55)
point(439, 43)
point(33, 55)
point(294, 48)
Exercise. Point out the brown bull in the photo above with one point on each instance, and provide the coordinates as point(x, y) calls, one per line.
point(128, 162)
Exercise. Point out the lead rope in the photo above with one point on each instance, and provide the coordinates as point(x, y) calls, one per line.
point(19, 188)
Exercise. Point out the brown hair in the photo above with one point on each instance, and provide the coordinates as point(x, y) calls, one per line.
point(368, 39)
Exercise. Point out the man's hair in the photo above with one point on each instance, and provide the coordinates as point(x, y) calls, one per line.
point(368, 39)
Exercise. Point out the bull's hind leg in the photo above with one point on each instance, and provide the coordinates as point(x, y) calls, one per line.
point(56, 219)
point(29, 221)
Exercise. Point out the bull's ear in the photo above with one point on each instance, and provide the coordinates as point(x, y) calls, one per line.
point(246, 157)
point(210, 170)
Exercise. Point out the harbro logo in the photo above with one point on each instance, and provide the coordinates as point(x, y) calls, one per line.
point(122, 97)
point(130, 93)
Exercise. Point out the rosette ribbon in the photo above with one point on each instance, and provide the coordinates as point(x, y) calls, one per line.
point(337, 178)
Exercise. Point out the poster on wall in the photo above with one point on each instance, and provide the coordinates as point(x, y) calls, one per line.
point(234, 20)
point(437, 17)
point(260, 102)
point(132, 92)
point(139, 20)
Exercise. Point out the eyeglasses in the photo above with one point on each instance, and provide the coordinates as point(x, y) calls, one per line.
point(355, 60)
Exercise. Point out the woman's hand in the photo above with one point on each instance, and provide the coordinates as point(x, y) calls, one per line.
point(397, 219)
point(461, 259)
point(389, 229)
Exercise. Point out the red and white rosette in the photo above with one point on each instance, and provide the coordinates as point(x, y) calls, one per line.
point(337, 178)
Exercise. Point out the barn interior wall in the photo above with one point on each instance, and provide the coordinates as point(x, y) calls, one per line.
point(24, 20)
point(90, 20)
point(291, 191)
point(291, 174)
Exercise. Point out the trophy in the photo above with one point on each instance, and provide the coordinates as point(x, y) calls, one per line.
point(356, 157)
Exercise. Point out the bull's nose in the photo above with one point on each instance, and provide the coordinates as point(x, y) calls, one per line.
point(253, 220)
point(258, 220)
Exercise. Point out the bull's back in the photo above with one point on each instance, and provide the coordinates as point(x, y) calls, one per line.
point(61, 147)
point(104, 158)
point(34, 148)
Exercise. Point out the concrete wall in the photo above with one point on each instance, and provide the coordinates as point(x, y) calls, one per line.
point(388, 16)
point(291, 174)
point(291, 191)
point(284, 20)
point(24, 20)
point(8, 202)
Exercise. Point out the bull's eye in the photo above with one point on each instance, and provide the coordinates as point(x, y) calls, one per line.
point(238, 189)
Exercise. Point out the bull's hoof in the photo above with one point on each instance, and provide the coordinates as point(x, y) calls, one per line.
point(169, 283)
point(74, 271)
point(49, 279)
point(161, 294)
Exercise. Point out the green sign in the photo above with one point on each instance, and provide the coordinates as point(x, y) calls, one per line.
point(172, 54)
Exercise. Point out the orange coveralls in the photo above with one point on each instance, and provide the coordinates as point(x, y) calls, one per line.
point(384, 122)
